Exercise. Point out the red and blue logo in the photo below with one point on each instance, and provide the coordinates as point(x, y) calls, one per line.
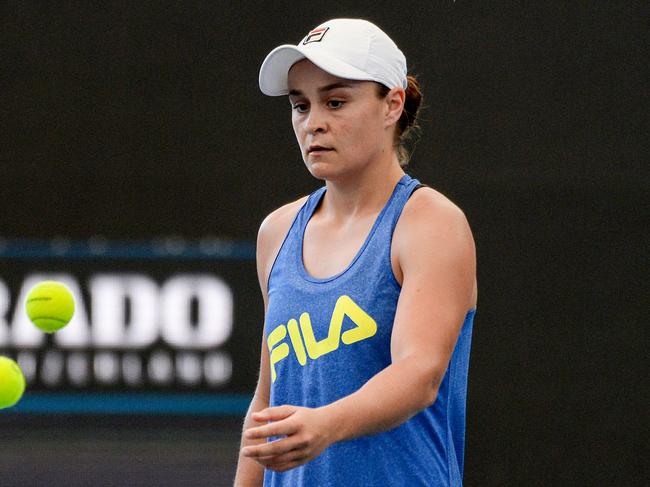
point(315, 35)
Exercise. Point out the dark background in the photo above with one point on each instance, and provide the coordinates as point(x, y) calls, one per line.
point(140, 120)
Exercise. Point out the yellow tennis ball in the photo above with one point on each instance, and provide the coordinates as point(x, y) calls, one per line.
point(12, 383)
point(50, 306)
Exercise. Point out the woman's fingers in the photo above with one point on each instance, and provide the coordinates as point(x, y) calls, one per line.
point(302, 437)
point(276, 425)
point(275, 413)
point(270, 449)
point(297, 455)
point(278, 428)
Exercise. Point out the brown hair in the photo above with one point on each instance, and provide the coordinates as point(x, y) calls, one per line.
point(407, 128)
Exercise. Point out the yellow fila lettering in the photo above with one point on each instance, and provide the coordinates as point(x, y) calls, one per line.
point(366, 327)
point(279, 352)
point(296, 341)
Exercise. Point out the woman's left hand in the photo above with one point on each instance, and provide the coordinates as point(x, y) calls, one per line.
point(304, 433)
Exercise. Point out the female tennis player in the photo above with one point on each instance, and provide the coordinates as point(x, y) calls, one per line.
point(369, 285)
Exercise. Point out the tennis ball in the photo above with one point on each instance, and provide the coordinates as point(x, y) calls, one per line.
point(12, 383)
point(50, 306)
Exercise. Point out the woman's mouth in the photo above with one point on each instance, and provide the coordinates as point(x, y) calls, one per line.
point(318, 149)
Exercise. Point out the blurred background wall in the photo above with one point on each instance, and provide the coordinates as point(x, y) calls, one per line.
point(137, 151)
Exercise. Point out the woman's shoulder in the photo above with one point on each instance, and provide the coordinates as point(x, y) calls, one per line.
point(430, 206)
point(432, 219)
point(277, 223)
point(272, 231)
point(433, 240)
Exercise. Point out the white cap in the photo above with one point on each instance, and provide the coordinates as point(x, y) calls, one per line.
point(348, 48)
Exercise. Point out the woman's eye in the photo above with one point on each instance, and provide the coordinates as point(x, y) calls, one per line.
point(300, 107)
point(336, 103)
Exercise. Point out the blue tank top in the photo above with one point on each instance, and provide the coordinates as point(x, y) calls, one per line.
point(328, 337)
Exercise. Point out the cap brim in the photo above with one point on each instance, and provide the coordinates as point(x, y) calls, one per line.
point(274, 73)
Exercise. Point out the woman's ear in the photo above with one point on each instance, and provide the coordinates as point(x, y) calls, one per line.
point(394, 105)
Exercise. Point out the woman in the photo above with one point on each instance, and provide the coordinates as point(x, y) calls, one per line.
point(369, 285)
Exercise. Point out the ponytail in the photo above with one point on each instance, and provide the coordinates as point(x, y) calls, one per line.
point(407, 129)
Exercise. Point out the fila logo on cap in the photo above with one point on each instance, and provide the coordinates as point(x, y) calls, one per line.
point(356, 49)
point(315, 35)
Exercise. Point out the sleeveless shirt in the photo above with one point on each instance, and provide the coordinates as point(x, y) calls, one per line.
point(328, 337)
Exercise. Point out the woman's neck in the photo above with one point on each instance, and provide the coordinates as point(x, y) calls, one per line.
point(365, 193)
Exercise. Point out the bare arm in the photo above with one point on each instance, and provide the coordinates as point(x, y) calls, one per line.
point(269, 239)
point(250, 473)
point(435, 251)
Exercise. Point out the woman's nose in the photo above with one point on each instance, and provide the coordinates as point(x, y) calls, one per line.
point(316, 121)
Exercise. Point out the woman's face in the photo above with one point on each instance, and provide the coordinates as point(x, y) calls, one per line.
point(341, 125)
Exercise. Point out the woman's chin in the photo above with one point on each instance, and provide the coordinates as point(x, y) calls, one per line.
point(321, 170)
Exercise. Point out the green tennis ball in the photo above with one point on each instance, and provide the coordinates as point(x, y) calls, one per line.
point(50, 306)
point(12, 383)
